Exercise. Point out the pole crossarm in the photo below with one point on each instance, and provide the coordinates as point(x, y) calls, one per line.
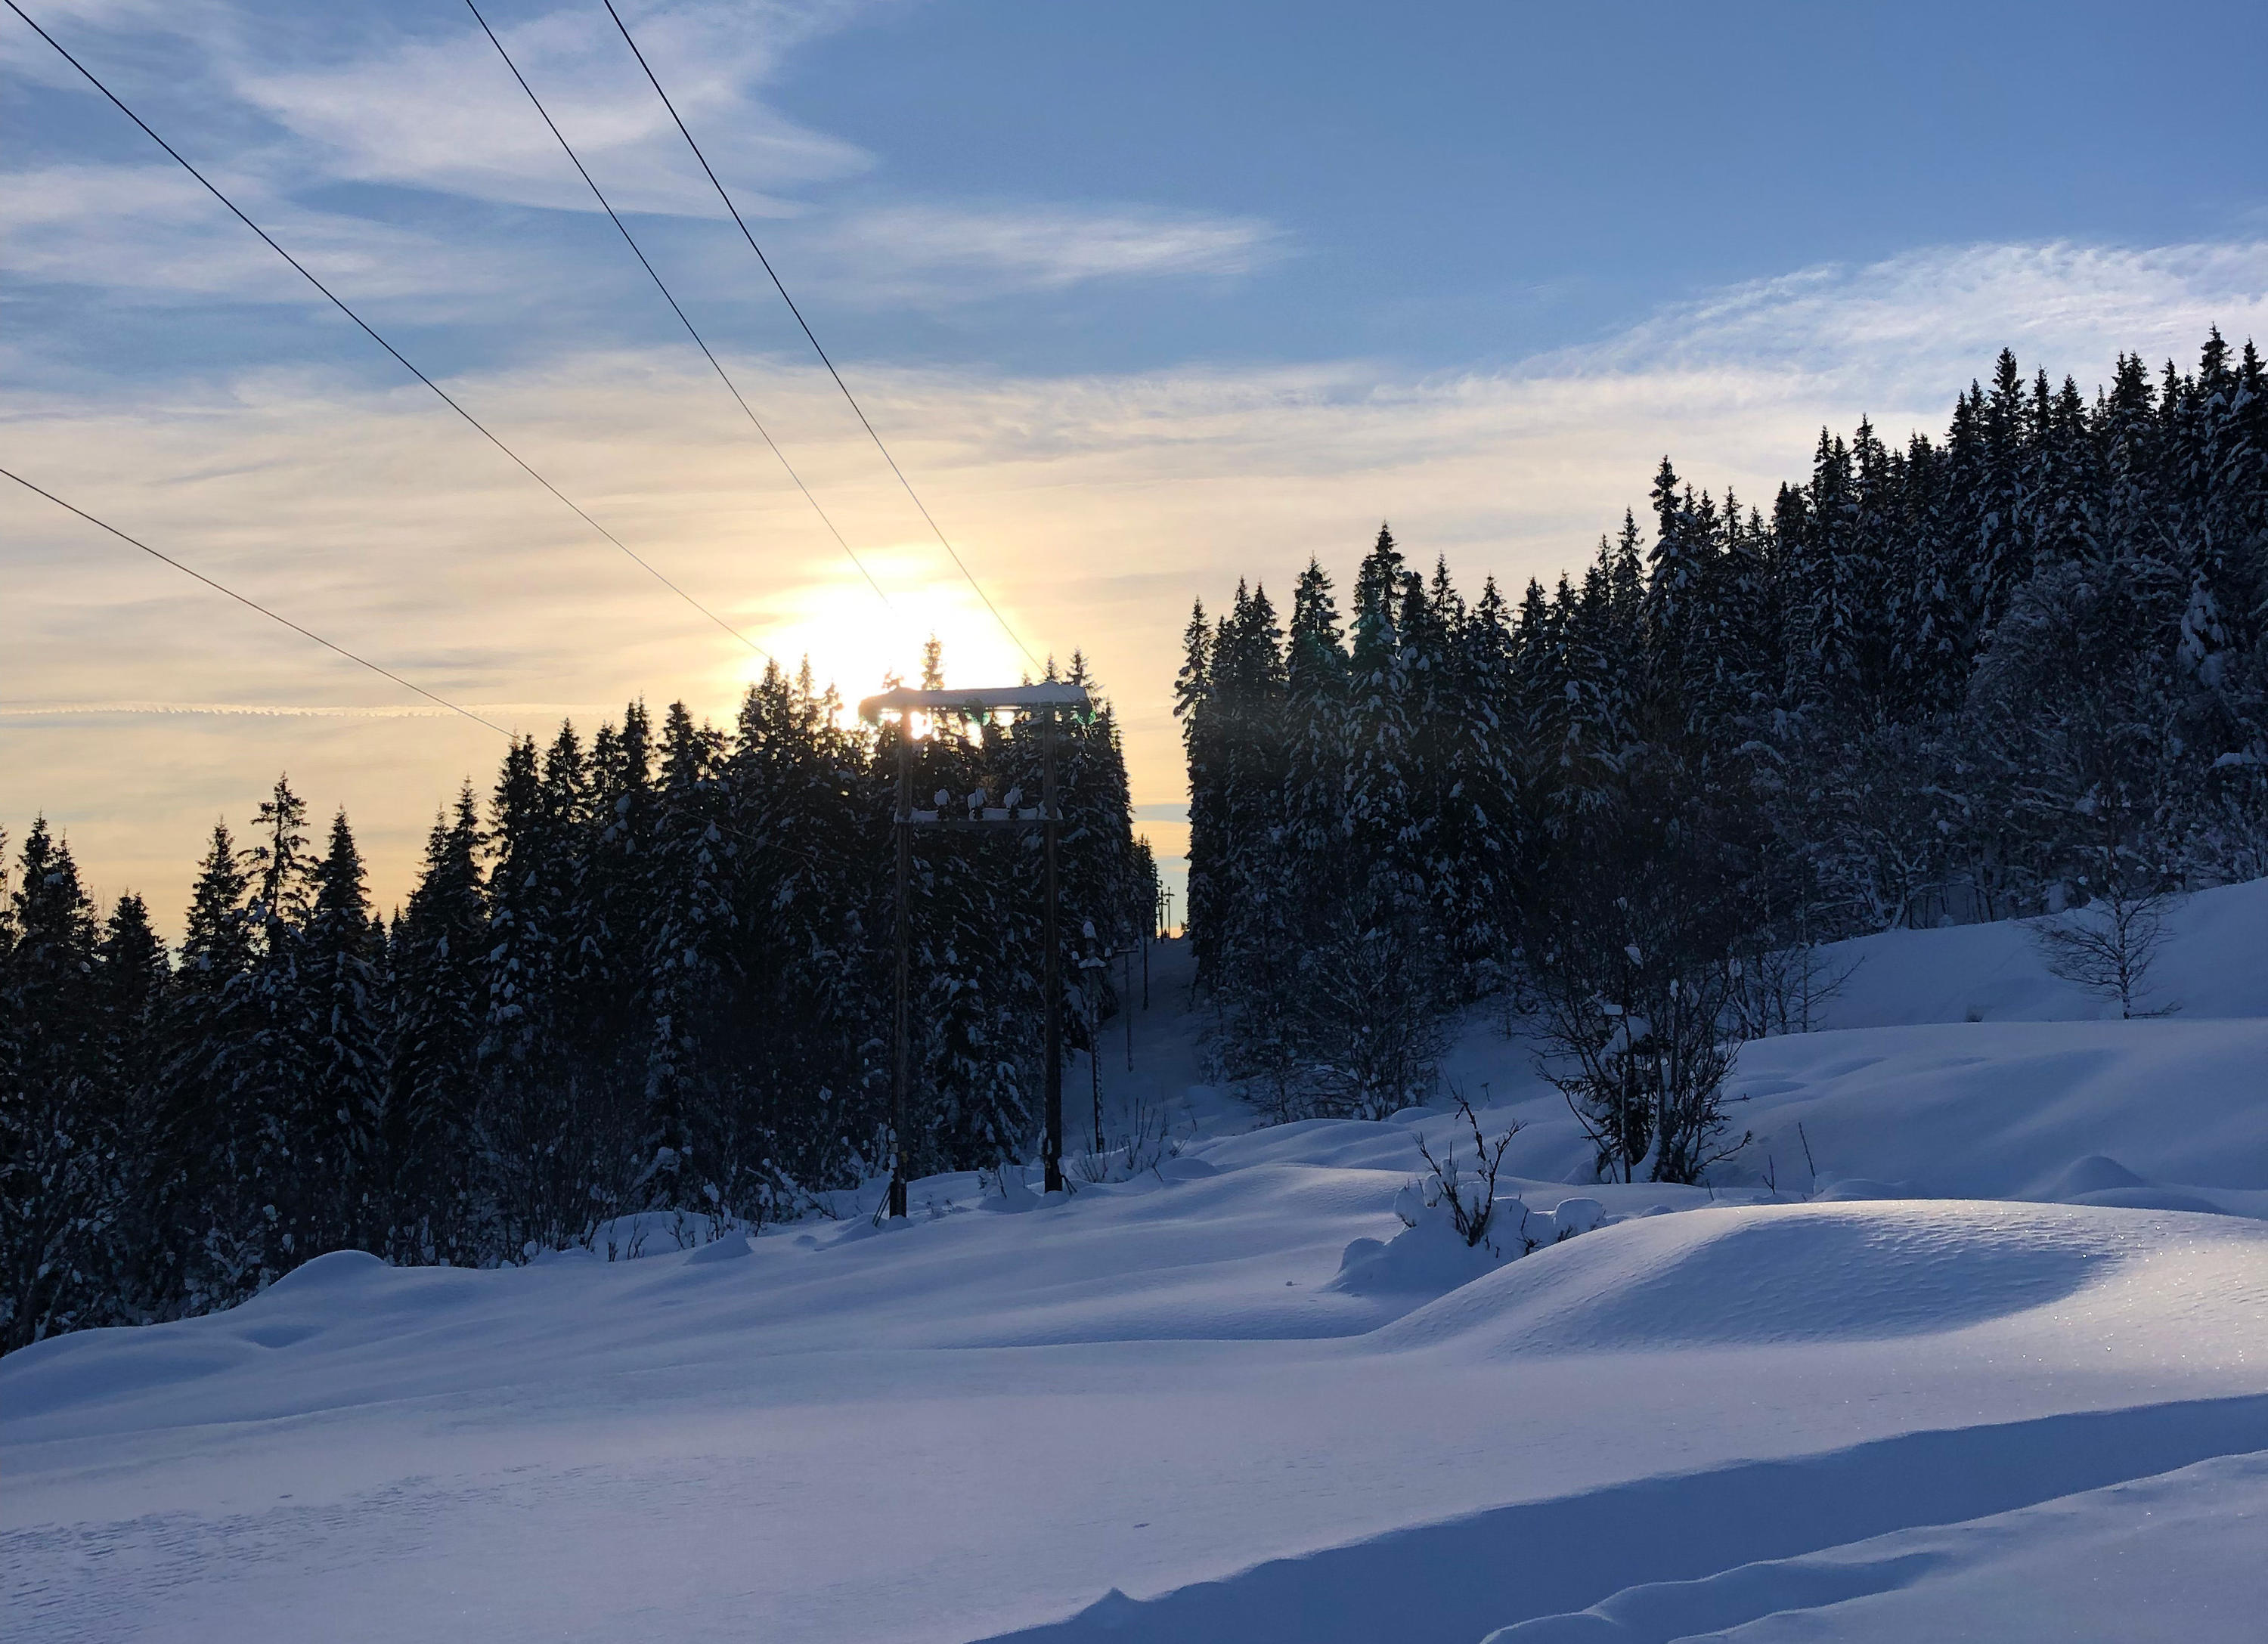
point(974, 703)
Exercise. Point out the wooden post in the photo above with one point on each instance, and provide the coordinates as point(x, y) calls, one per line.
point(899, 1069)
point(1051, 1144)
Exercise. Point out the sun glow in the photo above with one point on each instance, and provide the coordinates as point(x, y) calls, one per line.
point(856, 643)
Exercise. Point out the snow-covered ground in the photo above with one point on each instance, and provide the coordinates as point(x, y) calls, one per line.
point(1977, 1363)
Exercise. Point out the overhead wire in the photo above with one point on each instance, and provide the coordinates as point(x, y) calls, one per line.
point(943, 541)
point(369, 331)
point(639, 253)
point(273, 616)
point(305, 632)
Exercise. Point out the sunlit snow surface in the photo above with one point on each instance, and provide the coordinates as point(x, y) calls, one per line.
point(1953, 1384)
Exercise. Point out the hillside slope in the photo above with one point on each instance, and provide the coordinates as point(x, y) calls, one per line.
point(1159, 1410)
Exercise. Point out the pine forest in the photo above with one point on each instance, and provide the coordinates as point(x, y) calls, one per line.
point(653, 971)
point(2016, 670)
point(2019, 668)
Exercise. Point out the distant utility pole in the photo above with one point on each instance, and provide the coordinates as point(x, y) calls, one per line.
point(1047, 701)
point(1091, 969)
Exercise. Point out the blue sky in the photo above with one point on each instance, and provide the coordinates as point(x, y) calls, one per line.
point(1462, 183)
point(1146, 298)
point(1077, 187)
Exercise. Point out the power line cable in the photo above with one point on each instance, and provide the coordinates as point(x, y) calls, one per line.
point(255, 605)
point(943, 541)
point(637, 252)
point(367, 331)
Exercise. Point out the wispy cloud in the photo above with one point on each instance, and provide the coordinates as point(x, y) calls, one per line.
point(151, 234)
point(940, 252)
point(437, 114)
point(1093, 506)
point(444, 113)
point(1912, 313)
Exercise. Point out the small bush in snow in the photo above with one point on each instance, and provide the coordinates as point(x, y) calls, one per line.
point(1143, 1145)
point(2108, 946)
point(1469, 1198)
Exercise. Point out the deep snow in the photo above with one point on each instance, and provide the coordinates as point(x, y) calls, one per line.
point(1979, 1367)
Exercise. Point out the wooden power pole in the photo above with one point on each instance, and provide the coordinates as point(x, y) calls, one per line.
point(1051, 1140)
point(900, 1071)
point(1046, 701)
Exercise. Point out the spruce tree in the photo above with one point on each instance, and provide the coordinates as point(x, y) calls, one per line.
point(1378, 726)
point(1194, 705)
point(210, 1036)
point(437, 959)
point(692, 947)
point(814, 837)
point(59, 1135)
point(343, 1108)
point(142, 1268)
point(272, 1178)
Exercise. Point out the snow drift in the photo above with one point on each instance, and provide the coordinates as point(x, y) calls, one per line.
point(1980, 1343)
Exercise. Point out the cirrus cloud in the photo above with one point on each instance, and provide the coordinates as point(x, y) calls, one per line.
point(1094, 507)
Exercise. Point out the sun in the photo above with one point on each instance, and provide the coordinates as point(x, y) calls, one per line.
point(857, 642)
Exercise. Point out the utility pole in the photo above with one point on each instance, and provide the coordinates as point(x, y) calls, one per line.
point(1147, 937)
point(899, 1070)
point(1051, 1142)
point(1092, 969)
point(1046, 699)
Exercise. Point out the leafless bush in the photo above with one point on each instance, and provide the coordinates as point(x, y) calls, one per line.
point(1147, 1143)
point(1783, 990)
point(1143, 1145)
point(2109, 946)
point(1470, 1201)
point(1640, 1046)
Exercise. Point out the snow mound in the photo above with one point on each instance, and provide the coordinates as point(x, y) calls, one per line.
point(1428, 1258)
point(2013, 1110)
point(1855, 1189)
point(1816, 1272)
point(1591, 1434)
point(2101, 1180)
point(729, 1246)
point(341, 1269)
point(1994, 972)
point(2093, 1174)
point(2148, 1198)
point(2113, 1563)
point(1430, 1255)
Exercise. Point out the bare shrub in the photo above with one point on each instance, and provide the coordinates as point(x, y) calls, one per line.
point(1783, 989)
point(1143, 1145)
point(1641, 1048)
point(1470, 1199)
point(2109, 946)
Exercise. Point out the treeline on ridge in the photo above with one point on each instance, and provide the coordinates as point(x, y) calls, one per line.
point(1968, 679)
point(656, 974)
